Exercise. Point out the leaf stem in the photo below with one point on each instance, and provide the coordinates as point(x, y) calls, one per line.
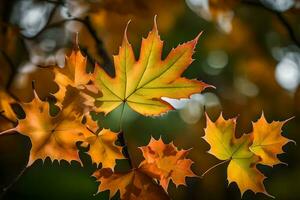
point(8, 131)
point(126, 149)
point(15, 180)
point(213, 167)
point(12, 69)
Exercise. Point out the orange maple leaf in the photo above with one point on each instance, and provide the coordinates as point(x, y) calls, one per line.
point(72, 74)
point(133, 185)
point(102, 147)
point(51, 136)
point(73, 82)
point(165, 162)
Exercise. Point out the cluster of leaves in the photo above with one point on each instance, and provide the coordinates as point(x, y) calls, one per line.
point(139, 83)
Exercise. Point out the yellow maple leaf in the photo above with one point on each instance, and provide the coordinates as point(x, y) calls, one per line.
point(220, 135)
point(165, 162)
point(141, 83)
point(268, 141)
point(103, 149)
point(51, 136)
point(133, 185)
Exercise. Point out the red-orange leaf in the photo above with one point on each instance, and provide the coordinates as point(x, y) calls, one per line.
point(53, 137)
point(133, 185)
point(165, 162)
point(72, 74)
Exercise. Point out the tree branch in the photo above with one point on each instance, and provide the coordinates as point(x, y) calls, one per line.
point(15, 180)
point(289, 28)
point(12, 68)
point(280, 17)
point(107, 62)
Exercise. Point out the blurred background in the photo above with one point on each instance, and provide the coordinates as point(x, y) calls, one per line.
point(250, 50)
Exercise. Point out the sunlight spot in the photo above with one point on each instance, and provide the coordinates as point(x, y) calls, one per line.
point(191, 110)
point(246, 87)
point(217, 59)
point(278, 5)
point(287, 71)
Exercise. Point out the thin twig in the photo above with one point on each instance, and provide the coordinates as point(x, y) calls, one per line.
point(280, 17)
point(123, 141)
point(15, 180)
point(59, 2)
point(100, 44)
point(12, 69)
point(9, 131)
point(107, 62)
point(289, 29)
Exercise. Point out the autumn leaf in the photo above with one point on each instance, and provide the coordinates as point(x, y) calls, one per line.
point(268, 141)
point(101, 143)
point(103, 149)
point(133, 185)
point(53, 137)
point(73, 73)
point(141, 83)
point(165, 162)
point(220, 135)
point(73, 81)
point(90, 123)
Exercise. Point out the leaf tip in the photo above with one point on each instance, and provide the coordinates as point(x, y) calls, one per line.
point(125, 38)
point(198, 36)
point(155, 23)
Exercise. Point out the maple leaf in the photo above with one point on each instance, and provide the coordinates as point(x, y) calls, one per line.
point(165, 162)
point(73, 73)
point(53, 137)
point(220, 135)
point(103, 149)
point(132, 185)
point(268, 141)
point(141, 83)
point(73, 82)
